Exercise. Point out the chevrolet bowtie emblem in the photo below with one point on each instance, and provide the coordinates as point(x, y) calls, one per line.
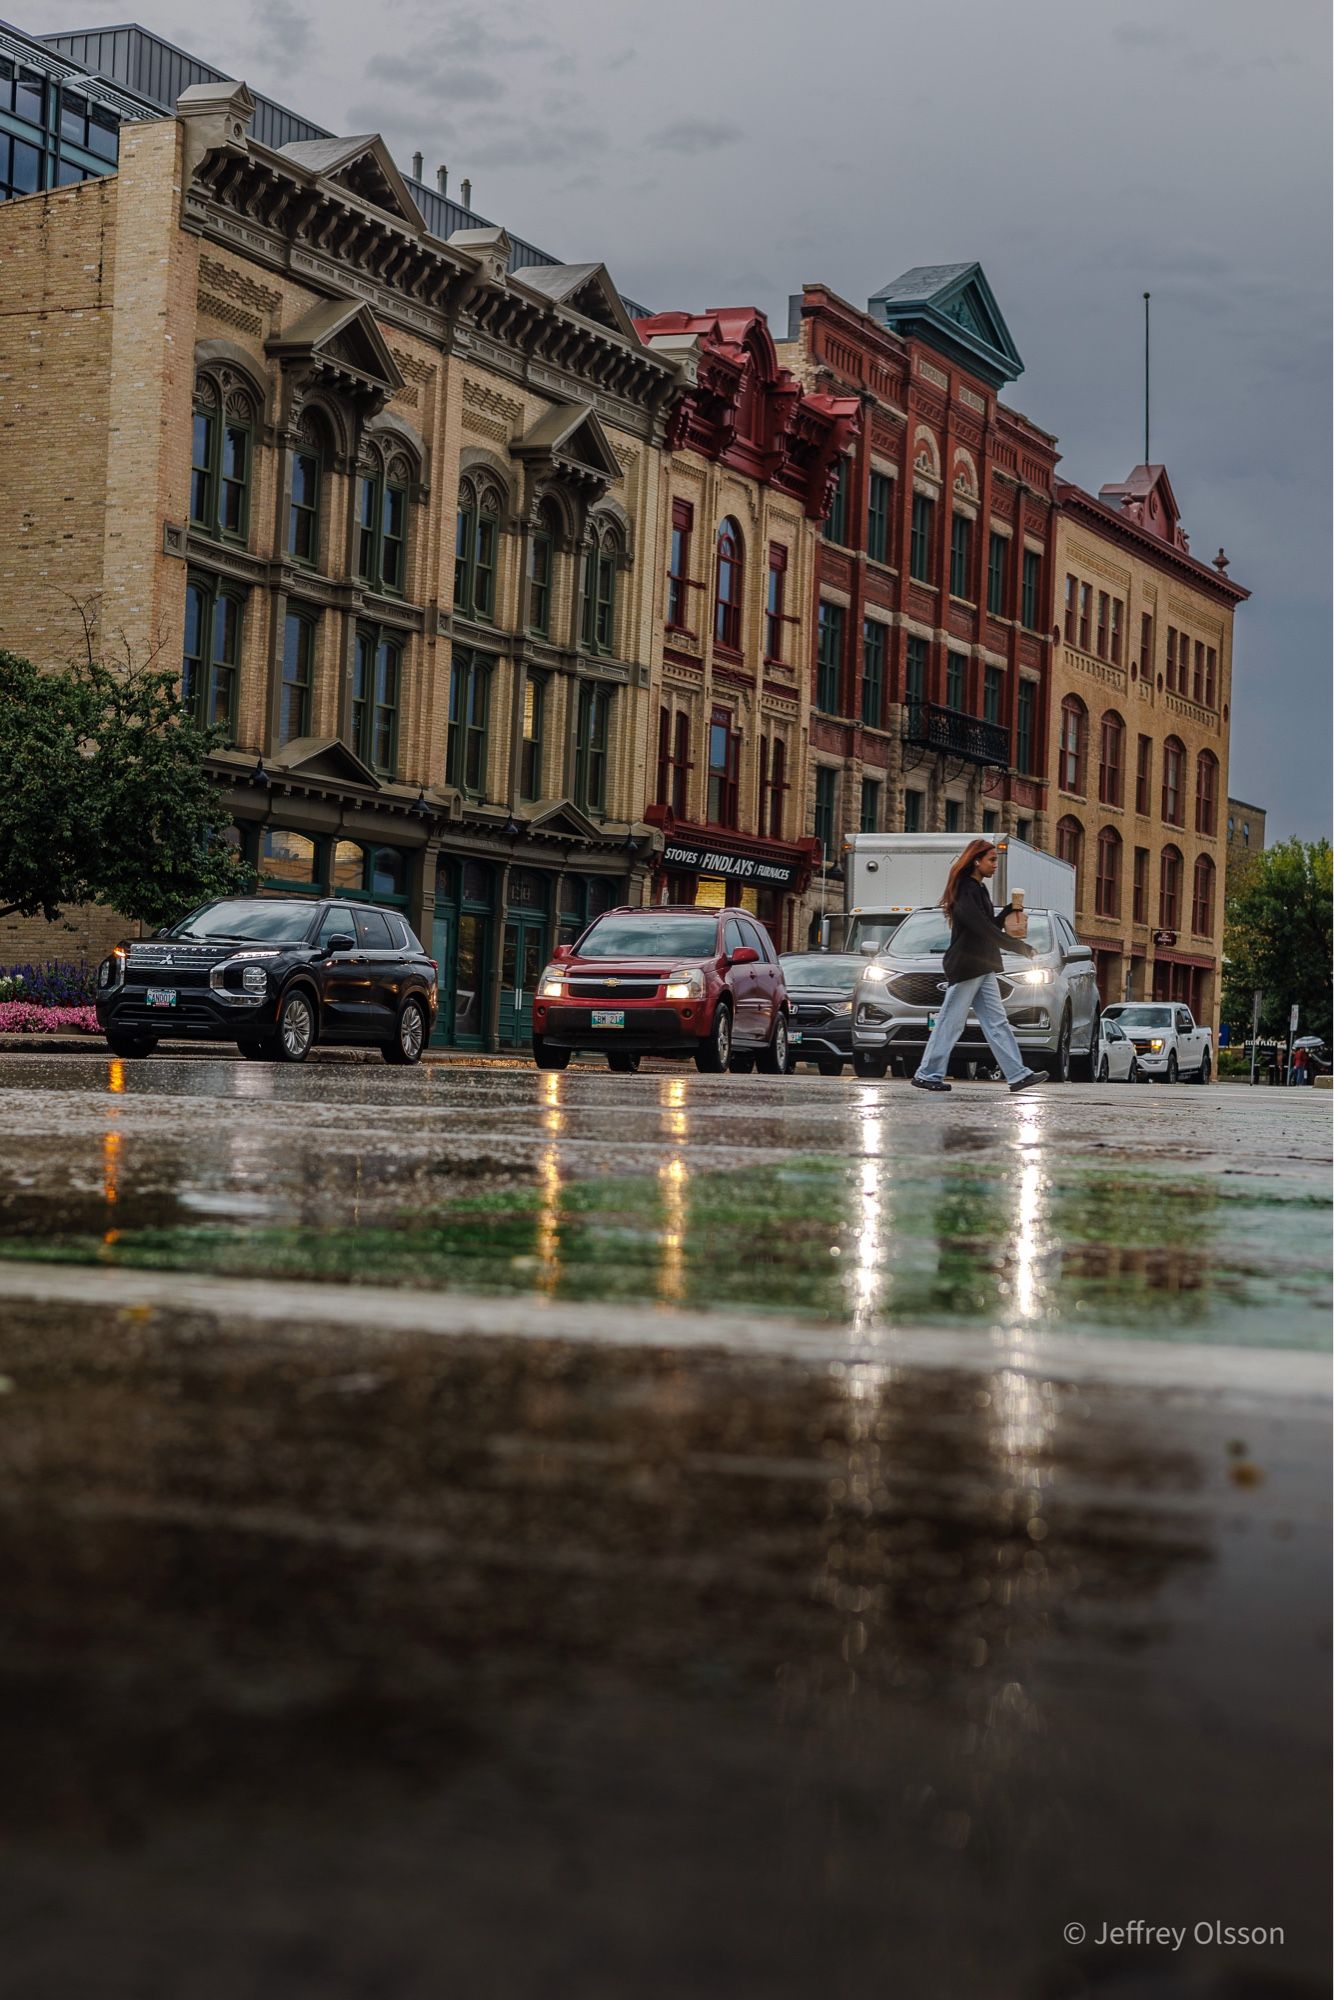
point(613, 982)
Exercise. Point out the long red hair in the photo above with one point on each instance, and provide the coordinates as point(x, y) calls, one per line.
point(961, 871)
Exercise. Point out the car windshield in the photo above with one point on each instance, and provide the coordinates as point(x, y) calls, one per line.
point(873, 930)
point(652, 934)
point(926, 934)
point(823, 969)
point(252, 920)
point(1143, 1017)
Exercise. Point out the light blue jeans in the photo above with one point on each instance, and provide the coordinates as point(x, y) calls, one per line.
point(980, 996)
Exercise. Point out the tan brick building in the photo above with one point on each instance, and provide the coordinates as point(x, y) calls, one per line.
point(394, 506)
point(1140, 714)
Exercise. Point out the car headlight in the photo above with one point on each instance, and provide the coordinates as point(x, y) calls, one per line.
point(254, 979)
point(111, 972)
point(552, 989)
point(1037, 975)
point(876, 973)
point(1157, 1047)
point(685, 983)
point(843, 1007)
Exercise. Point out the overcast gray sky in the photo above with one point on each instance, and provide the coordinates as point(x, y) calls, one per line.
point(724, 151)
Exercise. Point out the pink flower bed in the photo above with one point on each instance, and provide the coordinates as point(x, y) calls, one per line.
point(20, 1017)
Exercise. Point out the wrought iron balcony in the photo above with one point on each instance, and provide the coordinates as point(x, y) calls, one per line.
point(954, 734)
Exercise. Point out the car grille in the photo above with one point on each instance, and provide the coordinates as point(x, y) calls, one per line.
point(191, 1009)
point(807, 1014)
point(927, 989)
point(182, 977)
point(173, 957)
point(613, 989)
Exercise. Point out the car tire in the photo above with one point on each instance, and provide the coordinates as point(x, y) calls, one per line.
point(715, 1052)
point(624, 1064)
point(131, 1046)
point(256, 1051)
point(1134, 1074)
point(772, 1059)
point(1205, 1070)
point(830, 1068)
point(546, 1058)
point(865, 1064)
point(295, 1031)
point(405, 1051)
point(1104, 1072)
point(1057, 1065)
point(1173, 1067)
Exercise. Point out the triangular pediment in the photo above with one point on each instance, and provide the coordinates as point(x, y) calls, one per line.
point(324, 757)
point(563, 817)
point(570, 434)
point(341, 334)
point(585, 289)
point(956, 302)
point(362, 167)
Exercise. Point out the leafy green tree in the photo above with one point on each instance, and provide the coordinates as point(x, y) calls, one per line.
point(104, 796)
point(1279, 937)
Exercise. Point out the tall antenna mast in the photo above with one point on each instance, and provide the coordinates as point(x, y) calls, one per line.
point(1146, 378)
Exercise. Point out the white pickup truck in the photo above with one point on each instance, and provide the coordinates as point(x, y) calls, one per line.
point(1166, 1038)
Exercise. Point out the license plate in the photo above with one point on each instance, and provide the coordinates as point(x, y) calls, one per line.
point(161, 996)
point(795, 1035)
point(604, 1017)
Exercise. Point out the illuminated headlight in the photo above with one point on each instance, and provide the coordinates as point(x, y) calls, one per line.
point(843, 1007)
point(1037, 975)
point(876, 973)
point(111, 972)
point(1157, 1048)
point(552, 989)
point(686, 983)
point(254, 979)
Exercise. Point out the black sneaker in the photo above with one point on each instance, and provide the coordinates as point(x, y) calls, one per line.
point(928, 1083)
point(1027, 1082)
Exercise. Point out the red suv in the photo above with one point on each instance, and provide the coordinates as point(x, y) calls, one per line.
point(665, 981)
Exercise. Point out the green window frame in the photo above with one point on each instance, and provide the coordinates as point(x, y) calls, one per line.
point(914, 683)
point(919, 544)
point(469, 721)
point(826, 804)
point(377, 679)
point(1023, 728)
point(383, 494)
point(836, 520)
point(531, 741)
point(879, 495)
point(998, 551)
point(211, 661)
point(1031, 583)
point(591, 741)
point(912, 812)
point(870, 803)
point(476, 549)
point(873, 673)
point(961, 556)
point(956, 681)
point(597, 620)
point(303, 510)
point(221, 460)
point(829, 658)
point(993, 684)
point(541, 572)
point(298, 676)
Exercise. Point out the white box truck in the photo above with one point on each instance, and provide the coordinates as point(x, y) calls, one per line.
point(885, 875)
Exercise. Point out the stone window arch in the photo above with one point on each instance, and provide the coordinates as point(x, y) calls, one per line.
point(1073, 745)
point(729, 583)
point(482, 505)
point(227, 409)
point(388, 480)
point(604, 556)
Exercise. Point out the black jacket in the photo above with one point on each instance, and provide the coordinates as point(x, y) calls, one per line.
point(976, 935)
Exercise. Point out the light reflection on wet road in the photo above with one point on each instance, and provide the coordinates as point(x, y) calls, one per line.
point(642, 1614)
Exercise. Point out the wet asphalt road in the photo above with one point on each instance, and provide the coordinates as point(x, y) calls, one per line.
point(474, 1531)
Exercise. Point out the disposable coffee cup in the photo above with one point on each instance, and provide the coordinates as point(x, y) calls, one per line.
point(1017, 899)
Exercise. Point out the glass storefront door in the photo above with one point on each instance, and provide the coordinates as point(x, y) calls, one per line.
point(521, 961)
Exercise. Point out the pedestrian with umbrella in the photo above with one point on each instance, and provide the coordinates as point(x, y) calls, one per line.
point(971, 963)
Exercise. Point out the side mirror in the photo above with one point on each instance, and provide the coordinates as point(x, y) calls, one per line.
point(340, 941)
point(745, 954)
point(561, 953)
point(1079, 954)
point(870, 948)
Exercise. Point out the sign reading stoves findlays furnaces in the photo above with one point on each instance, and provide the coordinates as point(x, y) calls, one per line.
point(735, 867)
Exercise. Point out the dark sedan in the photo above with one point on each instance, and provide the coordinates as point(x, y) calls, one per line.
point(275, 975)
point(820, 985)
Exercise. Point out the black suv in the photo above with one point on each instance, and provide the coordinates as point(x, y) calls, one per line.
point(275, 975)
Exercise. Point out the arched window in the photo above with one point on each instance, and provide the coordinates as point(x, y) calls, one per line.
point(1074, 744)
point(1174, 782)
point(288, 860)
point(1202, 900)
point(309, 458)
point(1070, 841)
point(730, 578)
point(222, 446)
point(602, 560)
point(1107, 888)
point(1169, 889)
point(384, 486)
point(1112, 759)
point(1206, 793)
point(477, 546)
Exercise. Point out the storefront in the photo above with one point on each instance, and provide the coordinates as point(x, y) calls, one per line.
point(712, 870)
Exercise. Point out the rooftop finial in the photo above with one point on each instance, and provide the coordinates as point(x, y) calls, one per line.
point(1221, 562)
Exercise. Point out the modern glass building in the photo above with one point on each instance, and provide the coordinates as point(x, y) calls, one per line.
point(59, 123)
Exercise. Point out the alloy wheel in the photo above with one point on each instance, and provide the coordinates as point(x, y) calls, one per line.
point(411, 1032)
point(296, 1030)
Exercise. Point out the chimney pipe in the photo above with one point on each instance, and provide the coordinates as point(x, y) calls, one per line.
point(442, 179)
point(465, 189)
point(417, 165)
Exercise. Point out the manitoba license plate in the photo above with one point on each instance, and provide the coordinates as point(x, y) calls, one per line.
point(795, 1035)
point(161, 996)
point(604, 1017)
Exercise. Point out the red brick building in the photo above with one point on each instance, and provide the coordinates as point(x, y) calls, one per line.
point(750, 468)
point(934, 591)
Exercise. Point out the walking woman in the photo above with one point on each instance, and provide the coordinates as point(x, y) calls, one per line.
point(977, 933)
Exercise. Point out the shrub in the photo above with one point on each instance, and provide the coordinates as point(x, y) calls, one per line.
point(20, 1017)
point(57, 983)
